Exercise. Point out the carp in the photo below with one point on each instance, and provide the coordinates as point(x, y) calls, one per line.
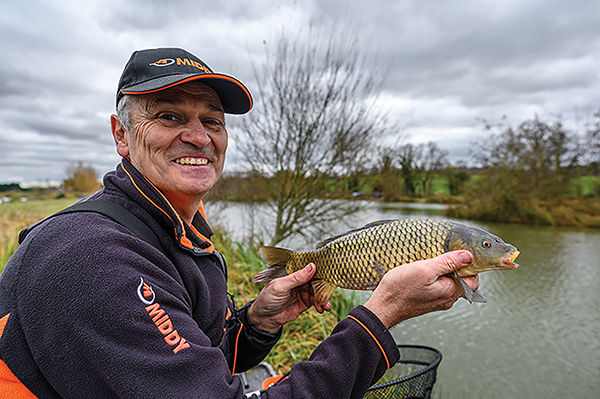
point(359, 258)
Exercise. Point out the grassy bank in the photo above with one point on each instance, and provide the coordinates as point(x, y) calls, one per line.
point(583, 212)
point(15, 216)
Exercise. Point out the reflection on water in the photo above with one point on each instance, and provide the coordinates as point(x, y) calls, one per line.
point(539, 334)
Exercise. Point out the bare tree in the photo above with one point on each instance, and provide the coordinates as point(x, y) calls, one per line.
point(314, 123)
point(407, 154)
point(535, 157)
point(419, 163)
point(592, 146)
point(433, 159)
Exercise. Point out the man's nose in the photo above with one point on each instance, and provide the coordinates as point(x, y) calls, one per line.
point(195, 133)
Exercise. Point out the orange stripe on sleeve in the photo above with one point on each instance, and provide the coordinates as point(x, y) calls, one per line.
point(387, 362)
point(3, 322)
point(236, 349)
point(10, 386)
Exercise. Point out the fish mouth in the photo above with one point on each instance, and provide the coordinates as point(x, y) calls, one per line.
point(509, 261)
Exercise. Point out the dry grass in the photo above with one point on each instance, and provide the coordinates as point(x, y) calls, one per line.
point(557, 212)
point(15, 216)
point(10, 225)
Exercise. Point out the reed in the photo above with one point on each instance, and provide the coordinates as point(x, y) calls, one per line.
point(583, 212)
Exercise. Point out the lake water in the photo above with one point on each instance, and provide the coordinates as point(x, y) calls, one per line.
point(537, 337)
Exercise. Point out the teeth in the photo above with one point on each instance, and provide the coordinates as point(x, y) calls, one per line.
point(192, 161)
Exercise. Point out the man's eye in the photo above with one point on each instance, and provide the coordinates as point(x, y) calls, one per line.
point(213, 123)
point(168, 117)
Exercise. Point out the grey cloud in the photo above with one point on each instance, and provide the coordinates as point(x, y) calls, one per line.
point(443, 49)
point(156, 15)
point(448, 62)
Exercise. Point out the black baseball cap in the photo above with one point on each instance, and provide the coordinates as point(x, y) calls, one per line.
point(152, 70)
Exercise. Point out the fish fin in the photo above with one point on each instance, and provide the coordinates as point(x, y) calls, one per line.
point(270, 273)
point(468, 293)
point(274, 256)
point(323, 290)
point(477, 296)
point(277, 259)
point(377, 223)
point(380, 270)
point(326, 241)
point(366, 226)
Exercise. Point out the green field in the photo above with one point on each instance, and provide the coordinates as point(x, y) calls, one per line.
point(40, 207)
point(16, 215)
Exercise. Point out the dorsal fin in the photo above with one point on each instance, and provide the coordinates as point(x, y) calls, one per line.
point(366, 226)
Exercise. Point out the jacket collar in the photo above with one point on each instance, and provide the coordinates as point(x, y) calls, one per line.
point(192, 237)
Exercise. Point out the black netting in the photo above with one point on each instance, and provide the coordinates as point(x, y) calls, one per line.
point(412, 377)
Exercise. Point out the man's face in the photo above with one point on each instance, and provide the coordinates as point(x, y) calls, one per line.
point(178, 141)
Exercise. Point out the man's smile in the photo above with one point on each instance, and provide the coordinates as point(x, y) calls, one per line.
point(192, 161)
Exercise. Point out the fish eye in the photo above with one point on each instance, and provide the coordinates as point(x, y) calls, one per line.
point(486, 243)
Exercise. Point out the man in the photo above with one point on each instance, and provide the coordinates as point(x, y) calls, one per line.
point(88, 310)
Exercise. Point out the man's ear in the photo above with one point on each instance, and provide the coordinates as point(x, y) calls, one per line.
point(119, 135)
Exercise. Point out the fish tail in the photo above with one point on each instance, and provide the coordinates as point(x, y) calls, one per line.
point(277, 259)
point(468, 293)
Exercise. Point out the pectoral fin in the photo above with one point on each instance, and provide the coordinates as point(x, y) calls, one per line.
point(377, 272)
point(468, 293)
point(323, 290)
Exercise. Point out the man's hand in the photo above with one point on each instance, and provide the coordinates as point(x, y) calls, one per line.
point(418, 288)
point(284, 299)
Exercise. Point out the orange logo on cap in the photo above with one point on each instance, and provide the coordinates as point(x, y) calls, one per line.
point(163, 62)
point(193, 63)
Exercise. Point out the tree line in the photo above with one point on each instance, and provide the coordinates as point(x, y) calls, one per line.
point(538, 158)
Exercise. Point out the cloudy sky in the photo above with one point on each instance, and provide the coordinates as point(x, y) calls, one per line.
point(450, 63)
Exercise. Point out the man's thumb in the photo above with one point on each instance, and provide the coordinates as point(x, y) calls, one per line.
point(299, 278)
point(453, 261)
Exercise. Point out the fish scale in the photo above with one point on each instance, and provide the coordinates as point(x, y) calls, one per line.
point(358, 261)
point(359, 258)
